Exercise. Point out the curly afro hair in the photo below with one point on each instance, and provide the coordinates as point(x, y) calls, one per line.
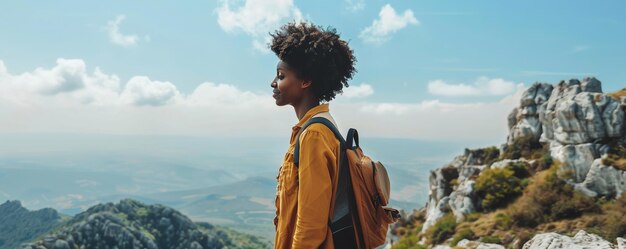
point(316, 54)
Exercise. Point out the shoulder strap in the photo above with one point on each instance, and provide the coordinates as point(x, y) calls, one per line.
point(344, 200)
point(325, 119)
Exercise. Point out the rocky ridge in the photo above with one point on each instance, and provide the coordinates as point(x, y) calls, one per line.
point(576, 120)
point(133, 225)
point(573, 123)
point(18, 224)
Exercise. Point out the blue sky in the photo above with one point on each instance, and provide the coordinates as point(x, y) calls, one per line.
point(458, 56)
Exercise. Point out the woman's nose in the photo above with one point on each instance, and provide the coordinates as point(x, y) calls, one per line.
point(273, 84)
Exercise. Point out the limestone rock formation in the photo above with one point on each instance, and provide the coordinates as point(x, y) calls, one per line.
point(578, 122)
point(477, 245)
point(444, 196)
point(524, 121)
point(581, 240)
point(603, 180)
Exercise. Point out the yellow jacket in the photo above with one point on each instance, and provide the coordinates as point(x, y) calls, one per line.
point(305, 194)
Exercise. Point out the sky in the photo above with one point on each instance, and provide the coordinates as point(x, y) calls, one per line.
point(427, 70)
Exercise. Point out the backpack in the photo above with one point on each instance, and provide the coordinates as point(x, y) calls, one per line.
point(359, 213)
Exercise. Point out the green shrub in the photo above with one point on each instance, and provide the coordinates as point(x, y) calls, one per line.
point(471, 217)
point(616, 157)
point(142, 212)
point(525, 182)
point(442, 230)
point(491, 239)
point(572, 205)
point(489, 154)
point(563, 209)
point(520, 169)
point(462, 234)
point(497, 187)
point(615, 221)
point(503, 221)
point(546, 160)
point(454, 182)
point(552, 199)
point(522, 147)
point(408, 242)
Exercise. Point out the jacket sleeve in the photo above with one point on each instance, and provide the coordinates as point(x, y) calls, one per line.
point(314, 191)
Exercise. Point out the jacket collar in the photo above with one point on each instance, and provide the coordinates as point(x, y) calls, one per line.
point(310, 113)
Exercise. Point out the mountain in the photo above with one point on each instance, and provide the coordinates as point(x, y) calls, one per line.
point(132, 224)
point(248, 205)
point(561, 170)
point(17, 224)
point(86, 169)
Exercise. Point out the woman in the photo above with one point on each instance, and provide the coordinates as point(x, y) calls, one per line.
point(315, 64)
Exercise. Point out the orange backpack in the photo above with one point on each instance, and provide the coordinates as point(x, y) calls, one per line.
point(362, 193)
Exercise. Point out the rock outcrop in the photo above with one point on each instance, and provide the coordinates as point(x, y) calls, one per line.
point(18, 224)
point(524, 121)
point(603, 180)
point(477, 245)
point(444, 196)
point(581, 240)
point(580, 123)
point(131, 224)
point(452, 188)
point(574, 119)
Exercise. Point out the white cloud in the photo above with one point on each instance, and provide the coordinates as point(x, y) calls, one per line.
point(483, 86)
point(223, 95)
point(256, 18)
point(432, 119)
point(359, 91)
point(102, 103)
point(113, 27)
point(388, 23)
point(383, 108)
point(355, 5)
point(67, 81)
point(142, 91)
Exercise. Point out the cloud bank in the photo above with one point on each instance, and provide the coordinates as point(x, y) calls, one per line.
point(69, 97)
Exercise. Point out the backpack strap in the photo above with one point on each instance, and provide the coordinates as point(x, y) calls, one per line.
point(352, 139)
point(344, 199)
point(325, 119)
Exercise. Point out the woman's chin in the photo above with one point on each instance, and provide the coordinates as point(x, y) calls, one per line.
point(278, 101)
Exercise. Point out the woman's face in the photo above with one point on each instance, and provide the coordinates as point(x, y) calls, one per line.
point(288, 88)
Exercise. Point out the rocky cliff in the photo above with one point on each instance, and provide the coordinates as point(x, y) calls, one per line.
point(564, 158)
point(17, 224)
point(133, 225)
point(580, 124)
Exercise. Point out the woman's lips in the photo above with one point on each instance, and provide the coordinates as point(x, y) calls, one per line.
point(275, 95)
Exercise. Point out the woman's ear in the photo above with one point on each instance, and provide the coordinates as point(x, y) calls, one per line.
point(306, 83)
